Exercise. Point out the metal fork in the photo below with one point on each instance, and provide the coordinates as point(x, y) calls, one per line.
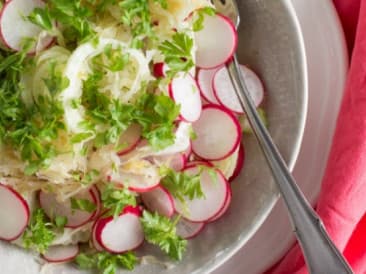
point(321, 255)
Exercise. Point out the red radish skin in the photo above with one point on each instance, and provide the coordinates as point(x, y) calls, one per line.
point(218, 133)
point(225, 92)
point(130, 139)
point(204, 81)
point(202, 210)
point(224, 209)
point(120, 235)
point(239, 163)
point(211, 51)
point(14, 28)
point(75, 218)
point(185, 92)
point(14, 212)
point(188, 230)
point(94, 241)
point(61, 253)
point(188, 152)
point(160, 70)
point(96, 194)
point(159, 200)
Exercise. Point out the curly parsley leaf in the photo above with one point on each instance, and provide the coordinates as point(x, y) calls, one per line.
point(83, 205)
point(105, 262)
point(181, 184)
point(178, 53)
point(116, 199)
point(200, 17)
point(39, 233)
point(161, 231)
point(136, 15)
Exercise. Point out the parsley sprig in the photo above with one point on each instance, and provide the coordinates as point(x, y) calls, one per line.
point(155, 113)
point(161, 231)
point(199, 17)
point(105, 262)
point(181, 184)
point(40, 232)
point(178, 53)
point(136, 15)
point(116, 199)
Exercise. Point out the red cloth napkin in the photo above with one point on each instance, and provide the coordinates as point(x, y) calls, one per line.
point(342, 201)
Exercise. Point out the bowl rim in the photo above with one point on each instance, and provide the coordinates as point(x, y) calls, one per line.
point(227, 253)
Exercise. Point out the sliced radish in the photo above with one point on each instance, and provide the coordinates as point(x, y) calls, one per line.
point(225, 207)
point(225, 92)
point(94, 241)
point(176, 161)
point(185, 92)
point(159, 200)
point(135, 182)
point(218, 133)
point(188, 230)
point(96, 196)
point(188, 152)
point(75, 217)
point(239, 163)
point(14, 28)
point(213, 50)
point(61, 253)
point(121, 234)
point(204, 80)
point(160, 70)
point(129, 139)
point(14, 214)
point(215, 191)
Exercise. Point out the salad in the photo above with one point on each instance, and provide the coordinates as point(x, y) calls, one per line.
point(119, 127)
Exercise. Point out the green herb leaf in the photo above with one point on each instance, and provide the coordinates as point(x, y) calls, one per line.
point(105, 262)
point(83, 204)
point(39, 234)
point(181, 184)
point(41, 18)
point(178, 53)
point(60, 221)
point(161, 231)
point(200, 17)
point(116, 200)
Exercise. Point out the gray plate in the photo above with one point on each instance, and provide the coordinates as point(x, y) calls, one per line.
point(271, 44)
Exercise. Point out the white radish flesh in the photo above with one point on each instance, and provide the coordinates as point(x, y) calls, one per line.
point(185, 92)
point(239, 163)
point(224, 209)
point(225, 92)
point(215, 192)
point(218, 133)
point(14, 214)
point(188, 230)
point(159, 200)
point(14, 26)
point(204, 80)
point(129, 139)
point(61, 253)
point(75, 217)
point(216, 42)
point(120, 235)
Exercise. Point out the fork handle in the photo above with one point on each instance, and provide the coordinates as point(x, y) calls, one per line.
point(321, 255)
